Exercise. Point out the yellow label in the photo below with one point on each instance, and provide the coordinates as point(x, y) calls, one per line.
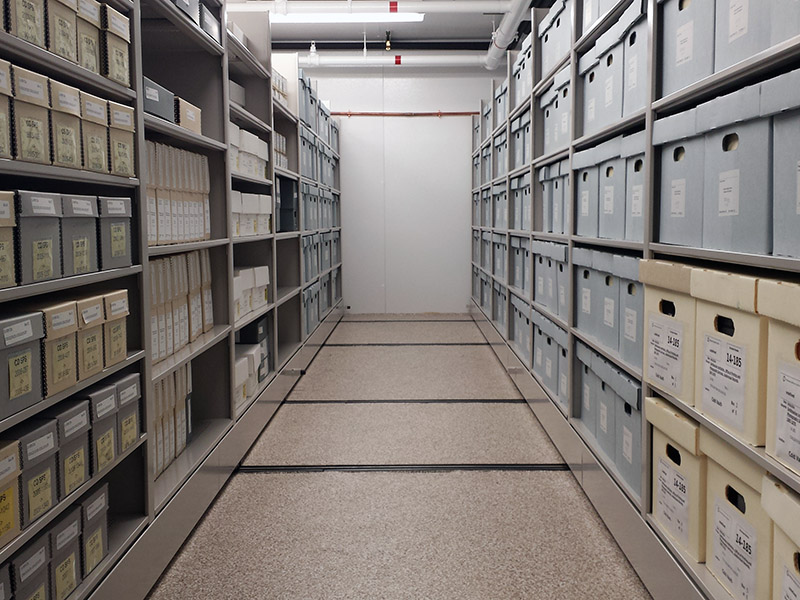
point(66, 576)
point(39, 594)
point(118, 67)
point(66, 139)
point(105, 449)
point(8, 509)
point(130, 430)
point(30, 23)
point(89, 53)
point(119, 238)
point(5, 146)
point(80, 254)
point(93, 550)
point(122, 158)
point(31, 139)
point(6, 262)
point(74, 470)
point(20, 375)
point(42, 259)
point(92, 355)
point(117, 341)
point(64, 360)
point(40, 496)
point(96, 153)
point(65, 43)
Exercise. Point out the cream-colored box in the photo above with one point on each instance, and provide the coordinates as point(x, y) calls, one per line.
point(62, 17)
point(115, 330)
point(679, 477)
point(5, 109)
point(60, 347)
point(779, 300)
point(260, 295)
point(116, 58)
point(121, 139)
point(94, 113)
point(240, 376)
point(65, 125)
point(91, 317)
point(31, 115)
point(8, 255)
point(89, 35)
point(731, 350)
point(738, 529)
point(164, 210)
point(27, 19)
point(188, 115)
point(669, 328)
point(783, 506)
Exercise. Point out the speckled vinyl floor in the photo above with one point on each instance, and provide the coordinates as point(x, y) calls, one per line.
point(422, 532)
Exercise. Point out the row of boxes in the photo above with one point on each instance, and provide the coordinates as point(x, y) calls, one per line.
point(255, 335)
point(610, 189)
point(280, 88)
point(551, 277)
point(250, 289)
point(201, 16)
point(55, 563)
point(48, 122)
point(729, 171)
point(85, 32)
point(550, 357)
point(248, 154)
point(556, 197)
point(279, 143)
point(172, 421)
point(47, 236)
point(248, 365)
point(503, 208)
point(160, 102)
point(708, 37)
point(178, 186)
point(520, 333)
point(609, 404)
point(49, 351)
point(317, 250)
point(315, 115)
point(320, 207)
point(556, 106)
point(251, 214)
point(181, 300)
point(315, 302)
point(317, 162)
point(521, 76)
point(555, 35)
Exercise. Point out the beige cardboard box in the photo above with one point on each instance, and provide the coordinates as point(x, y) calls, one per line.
point(115, 331)
point(32, 100)
point(90, 336)
point(62, 16)
point(669, 328)
point(679, 477)
point(738, 529)
point(208, 309)
point(188, 115)
point(88, 45)
point(116, 55)
point(5, 109)
point(60, 347)
point(8, 255)
point(164, 210)
point(9, 491)
point(121, 139)
point(65, 125)
point(27, 20)
point(95, 133)
point(116, 22)
point(731, 350)
point(783, 506)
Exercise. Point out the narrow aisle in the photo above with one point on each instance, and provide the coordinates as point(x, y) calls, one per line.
point(403, 465)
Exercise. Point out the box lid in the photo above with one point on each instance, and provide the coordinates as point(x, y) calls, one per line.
point(121, 116)
point(72, 418)
point(625, 387)
point(60, 319)
point(676, 127)
point(66, 531)
point(560, 336)
point(265, 204)
point(65, 98)
point(779, 300)
point(114, 207)
point(780, 94)
point(90, 312)
point(666, 275)
point(5, 78)
point(626, 267)
point(236, 202)
point(602, 261)
point(518, 183)
point(89, 10)
point(554, 12)
point(548, 97)
point(250, 203)
point(498, 189)
point(10, 461)
point(103, 401)
point(782, 505)
point(21, 329)
point(674, 424)
point(117, 23)
point(38, 440)
point(584, 159)
point(31, 87)
point(608, 150)
point(95, 506)
point(79, 206)
point(31, 563)
point(588, 61)
point(39, 204)
point(7, 210)
point(128, 389)
point(240, 372)
point(261, 276)
point(730, 459)
point(582, 257)
point(115, 305)
point(728, 289)
point(94, 109)
point(741, 105)
point(561, 78)
point(632, 145)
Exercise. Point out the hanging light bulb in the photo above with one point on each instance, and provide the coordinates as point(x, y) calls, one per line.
point(388, 41)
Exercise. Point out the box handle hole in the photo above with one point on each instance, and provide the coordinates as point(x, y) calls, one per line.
point(796, 561)
point(609, 172)
point(724, 325)
point(679, 154)
point(585, 175)
point(797, 350)
point(591, 77)
point(549, 342)
point(609, 280)
point(547, 38)
point(564, 352)
point(684, 4)
point(730, 142)
point(632, 291)
point(674, 454)
point(667, 307)
point(556, 184)
point(556, 103)
point(638, 165)
point(586, 273)
point(628, 409)
point(558, 22)
point(610, 60)
point(547, 113)
point(565, 93)
point(632, 39)
point(736, 499)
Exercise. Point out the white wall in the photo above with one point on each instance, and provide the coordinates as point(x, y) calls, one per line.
point(406, 187)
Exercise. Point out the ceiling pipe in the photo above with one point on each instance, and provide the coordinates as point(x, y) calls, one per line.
point(284, 7)
point(506, 32)
point(386, 60)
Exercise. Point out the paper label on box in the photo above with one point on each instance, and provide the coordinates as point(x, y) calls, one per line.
point(130, 431)
point(66, 139)
point(8, 509)
point(550, 293)
point(562, 386)
point(119, 306)
point(122, 117)
point(609, 310)
point(64, 360)
point(633, 72)
point(734, 554)
point(564, 122)
point(30, 87)
point(43, 205)
point(96, 153)
point(637, 197)
point(8, 465)
point(724, 368)
point(588, 17)
point(74, 470)
point(105, 406)
point(129, 393)
point(208, 307)
point(677, 207)
point(34, 563)
point(151, 93)
point(65, 575)
point(119, 68)
point(95, 109)
point(603, 422)
point(4, 84)
point(539, 356)
point(18, 332)
point(630, 324)
point(71, 102)
point(80, 255)
point(684, 47)
point(115, 207)
point(591, 110)
point(548, 368)
point(117, 340)
point(31, 139)
point(586, 300)
point(562, 295)
point(118, 25)
point(191, 115)
point(672, 501)
point(40, 446)
point(40, 495)
point(787, 423)
point(104, 446)
point(585, 203)
point(729, 193)
point(95, 507)
point(92, 354)
point(627, 444)
point(81, 206)
point(791, 586)
point(65, 39)
point(665, 353)
point(89, 52)
point(609, 91)
point(67, 535)
point(89, 9)
point(738, 16)
point(119, 239)
point(5, 207)
point(608, 200)
point(540, 285)
point(20, 378)
point(93, 550)
point(76, 423)
point(169, 332)
point(154, 338)
point(92, 313)
point(6, 262)
point(122, 157)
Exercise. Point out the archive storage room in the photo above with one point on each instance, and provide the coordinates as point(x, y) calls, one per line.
point(441, 299)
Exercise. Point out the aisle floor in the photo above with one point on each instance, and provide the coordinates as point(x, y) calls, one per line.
point(404, 464)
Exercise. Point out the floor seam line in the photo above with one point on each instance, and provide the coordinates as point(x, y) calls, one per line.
point(403, 468)
point(410, 401)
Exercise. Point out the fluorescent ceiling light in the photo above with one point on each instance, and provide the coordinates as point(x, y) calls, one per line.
point(308, 18)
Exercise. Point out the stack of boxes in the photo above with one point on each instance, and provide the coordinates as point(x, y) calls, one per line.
point(172, 422)
point(250, 289)
point(555, 35)
point(249, 155)
point(522, 77)
point(280, 88)
point(281, 158)
point(251, 214)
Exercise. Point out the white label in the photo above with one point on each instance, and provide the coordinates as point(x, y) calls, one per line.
point(115, 207)
point(591, 110)
point(724, 380)
point(684, 47)
point(42, 205)
point(548, 368)
point(797, 205)
point(19, 332)
point(550, 287)
point(76, 423)
point(89, 9)
point(562, 295)
point(129, 393)
point(63, 319)
point(8, 465)
point(729, 193)
point(738, 15)
point(630, 324)
point(585, 203)
point(92, 313)
point(637, 198)
point(609, 96)
point(586, 300)
point(31, 88)
point(665, 353)
point(608, 200)
point(40, 446)
point(30, 566)
point(791, 586)
point(734, 551)
point(151, 93)
point(122, 117)
point(563, 384)
point(68, 534)
point(787, 423)
point(191, 114)
point(119, 25)
point(564, 122)
point(5, 205)
point(539, 356)
point(672, 501)
point(588, 18)
point(587, 397)
point(93, 109)
point(540, 285)
point(81, 206)
point(95, 507)
point(677, 205)
point(627, 444)
point(105, 406)
point(609, 310)
point(119, 306)
point(4, 81)
point(604, 417)
point(633, 71)
point(70, 101)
